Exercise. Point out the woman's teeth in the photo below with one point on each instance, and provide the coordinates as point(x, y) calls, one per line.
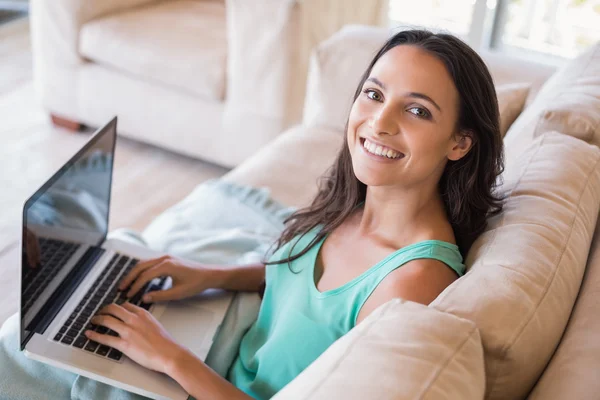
point(380, 151)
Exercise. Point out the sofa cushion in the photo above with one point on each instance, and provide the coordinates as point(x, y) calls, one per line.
point(291, 164)
point(180, 43)
point(402, 351)
point(568, 102)
point(525, 270)
point(511, 100)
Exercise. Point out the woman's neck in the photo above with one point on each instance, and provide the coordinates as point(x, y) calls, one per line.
point(394, 216)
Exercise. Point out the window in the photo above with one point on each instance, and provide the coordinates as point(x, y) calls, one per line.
point(562, 28)
point(546, 30)
point(453, 16)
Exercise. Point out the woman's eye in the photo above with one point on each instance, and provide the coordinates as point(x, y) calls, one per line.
point(419, 112)
point(373, 95)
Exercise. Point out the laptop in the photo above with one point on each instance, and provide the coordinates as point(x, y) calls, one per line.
point(70, 270)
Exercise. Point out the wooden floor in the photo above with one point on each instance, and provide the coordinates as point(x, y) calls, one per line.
point(146, 180)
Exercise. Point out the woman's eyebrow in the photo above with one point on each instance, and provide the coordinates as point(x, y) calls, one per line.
point(424, 97)
point(409, 94)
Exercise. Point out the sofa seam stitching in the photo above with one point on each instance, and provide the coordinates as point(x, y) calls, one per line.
point(450, 358)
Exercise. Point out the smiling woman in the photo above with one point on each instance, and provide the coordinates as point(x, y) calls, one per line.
point(411, 187)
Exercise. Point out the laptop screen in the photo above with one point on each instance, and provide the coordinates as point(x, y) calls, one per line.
point(66, 217)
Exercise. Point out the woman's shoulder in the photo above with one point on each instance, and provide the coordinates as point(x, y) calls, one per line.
point(440, 231)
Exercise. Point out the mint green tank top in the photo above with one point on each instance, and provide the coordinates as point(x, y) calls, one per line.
point(297, 323)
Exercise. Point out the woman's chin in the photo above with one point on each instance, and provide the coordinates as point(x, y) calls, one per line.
point(372, 179)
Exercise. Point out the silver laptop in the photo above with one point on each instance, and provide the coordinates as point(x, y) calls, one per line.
point(69, 270)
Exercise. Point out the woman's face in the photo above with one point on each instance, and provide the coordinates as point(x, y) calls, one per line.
point(406, 114)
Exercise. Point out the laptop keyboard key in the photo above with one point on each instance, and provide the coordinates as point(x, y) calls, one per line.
point(57, 337)
point(73, 333)
point(115, 354)
point(80, 342)
point(103, 350)
point(92, 346)
point(77, 325)
point(67, 340)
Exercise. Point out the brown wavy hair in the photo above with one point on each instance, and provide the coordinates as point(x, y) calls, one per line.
point(466, 185)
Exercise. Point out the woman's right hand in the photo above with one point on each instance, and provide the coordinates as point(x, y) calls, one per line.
point(189, 278)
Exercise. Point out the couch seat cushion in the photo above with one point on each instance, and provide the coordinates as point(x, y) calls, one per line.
point(179, 43)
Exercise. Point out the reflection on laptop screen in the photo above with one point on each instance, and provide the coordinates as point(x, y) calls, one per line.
point(62, 220)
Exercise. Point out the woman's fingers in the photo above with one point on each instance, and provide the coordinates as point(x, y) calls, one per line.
point(145, 277)
point(132, 308)
point(138, 269)
point(110, 341)
point(117, 311)
point(110, 322)
point(174, 293)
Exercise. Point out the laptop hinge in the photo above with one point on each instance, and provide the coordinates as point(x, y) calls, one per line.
point(63, 292)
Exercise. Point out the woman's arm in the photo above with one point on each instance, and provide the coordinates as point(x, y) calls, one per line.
point(190, 278)
point(199, 380)
point(244, 278)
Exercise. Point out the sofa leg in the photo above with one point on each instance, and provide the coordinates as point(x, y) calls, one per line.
point(66, 123)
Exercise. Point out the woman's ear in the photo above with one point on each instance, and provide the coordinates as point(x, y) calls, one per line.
point(460, 144)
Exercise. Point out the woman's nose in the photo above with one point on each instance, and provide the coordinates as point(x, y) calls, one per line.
point(383, 122)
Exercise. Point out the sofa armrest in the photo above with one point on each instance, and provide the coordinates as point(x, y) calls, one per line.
point(55, 25)
point(404, 350)
point(269, 44)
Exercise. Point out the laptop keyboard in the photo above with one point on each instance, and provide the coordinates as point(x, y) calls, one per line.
point(54, 254)
point(103, 292)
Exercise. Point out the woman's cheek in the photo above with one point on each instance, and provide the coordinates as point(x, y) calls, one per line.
point(359, 113)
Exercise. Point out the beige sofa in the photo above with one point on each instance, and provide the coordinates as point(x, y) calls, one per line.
point(213, 79)
point(524, 321)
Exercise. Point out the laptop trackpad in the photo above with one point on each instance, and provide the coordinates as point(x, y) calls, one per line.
point(188, 324)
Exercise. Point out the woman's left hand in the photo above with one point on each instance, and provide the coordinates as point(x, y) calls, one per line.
point(141, 337)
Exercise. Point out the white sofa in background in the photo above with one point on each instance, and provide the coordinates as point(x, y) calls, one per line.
point(213, 79)
point(523, 322)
